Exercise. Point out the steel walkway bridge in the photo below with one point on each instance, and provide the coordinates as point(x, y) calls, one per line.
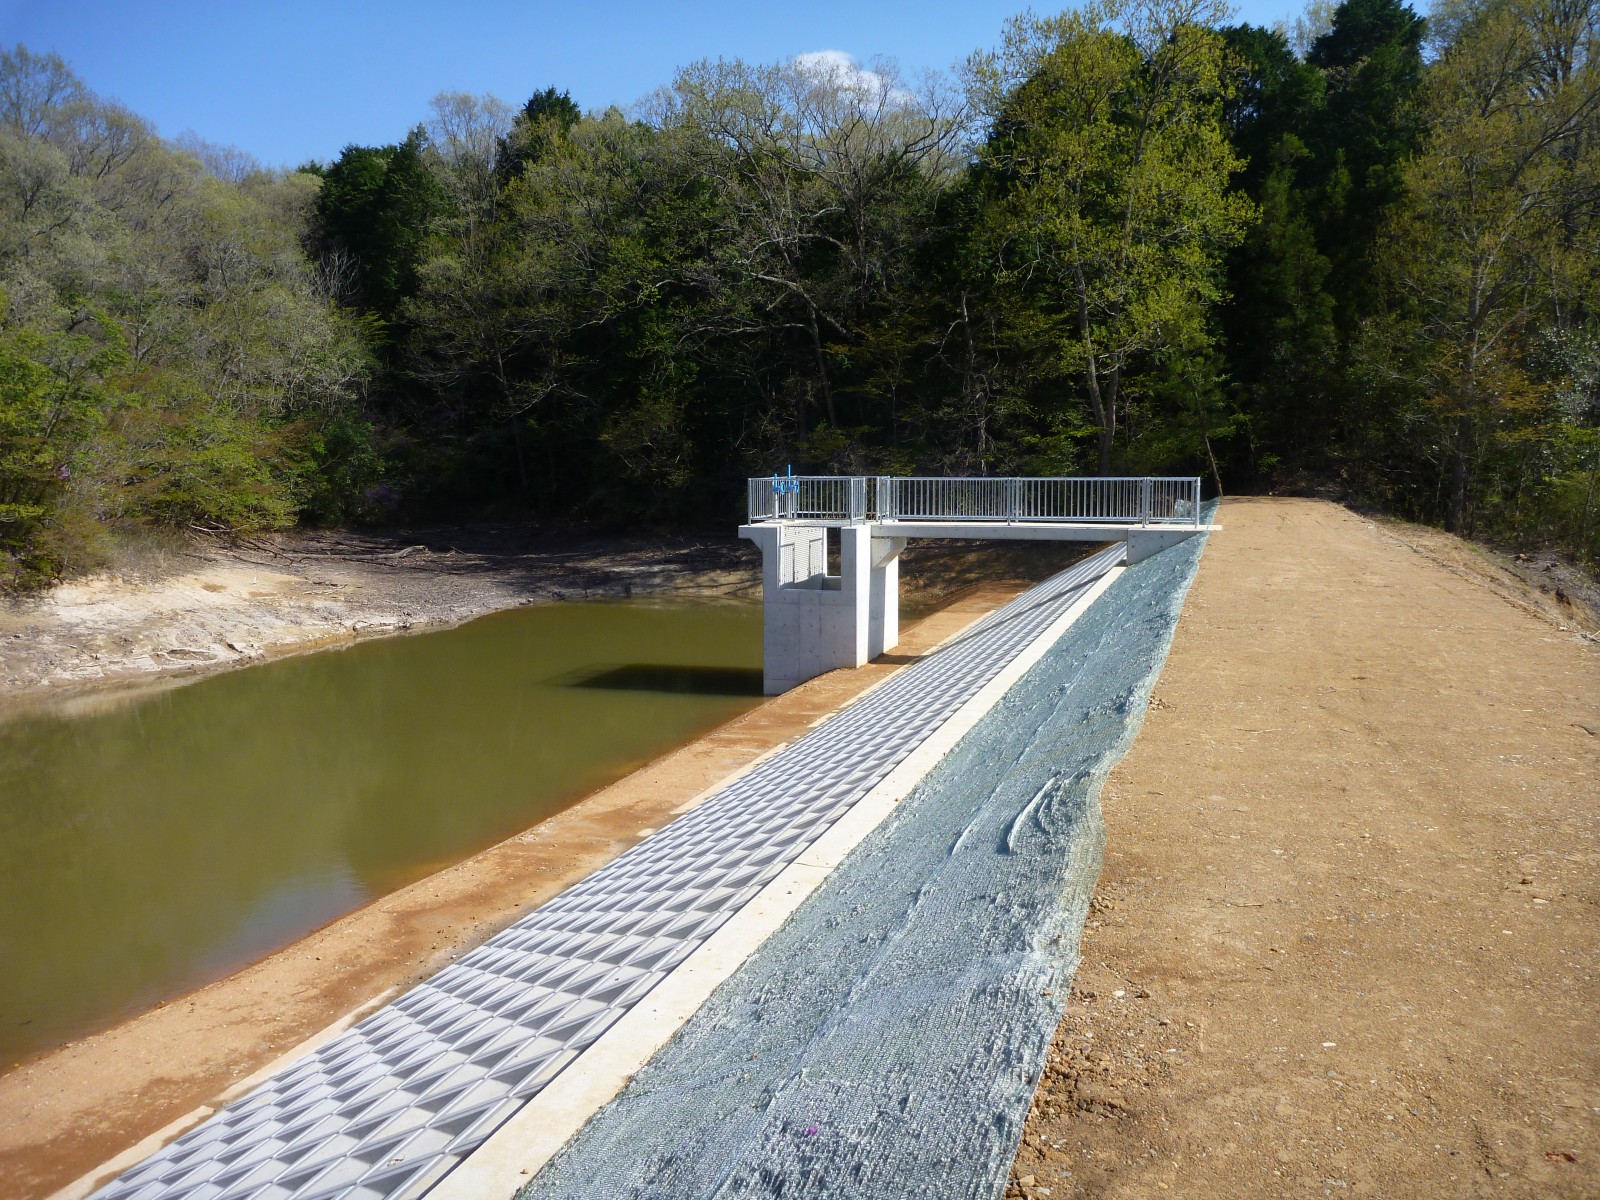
point(1104, 503)
point(815, 621)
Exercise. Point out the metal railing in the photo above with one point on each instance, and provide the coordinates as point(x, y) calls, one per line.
point(1124, 500)
point(809, 498)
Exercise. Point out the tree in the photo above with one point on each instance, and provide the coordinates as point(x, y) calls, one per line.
point(165, 350)
point(547, 117)
point(50, 406)
point(1272, 99)
point(1279, 336)
point(470, 320)
point(1496, 240)
point(826, 174)
point(376, 205)
point(1360, 137)
point(1112, 174)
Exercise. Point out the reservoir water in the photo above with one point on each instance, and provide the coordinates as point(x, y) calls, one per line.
point(161, 841)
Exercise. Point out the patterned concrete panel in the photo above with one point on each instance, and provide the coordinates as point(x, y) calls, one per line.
point(387, 1109)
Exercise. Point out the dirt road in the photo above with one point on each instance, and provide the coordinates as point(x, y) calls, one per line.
point(1347, 935)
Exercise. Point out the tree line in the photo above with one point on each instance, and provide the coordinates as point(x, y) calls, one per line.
point(1358, 254)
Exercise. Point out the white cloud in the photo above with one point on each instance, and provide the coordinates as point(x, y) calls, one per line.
point(825, 62)
point(841, 68)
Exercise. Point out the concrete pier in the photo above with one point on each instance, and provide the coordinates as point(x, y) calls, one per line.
point(815, 621)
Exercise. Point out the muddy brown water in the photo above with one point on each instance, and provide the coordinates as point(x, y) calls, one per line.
point(163, 840)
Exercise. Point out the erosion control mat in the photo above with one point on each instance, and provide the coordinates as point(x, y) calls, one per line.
point(887, 1040)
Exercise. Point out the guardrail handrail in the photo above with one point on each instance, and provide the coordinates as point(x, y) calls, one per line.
point(1113, 499)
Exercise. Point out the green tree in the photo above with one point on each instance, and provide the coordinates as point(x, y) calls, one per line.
point(1496, 241)
point(374, 211)
point(1326, 139)
point(1360, 137)
point(51, 405)
point(545, 119)
point(1279, 336)
point(826, 174)
point(169, 353)
point(471, 322)
point(1113, 168)
point(1272, 100)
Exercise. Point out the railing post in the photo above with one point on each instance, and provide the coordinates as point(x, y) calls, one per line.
point(1144, 501)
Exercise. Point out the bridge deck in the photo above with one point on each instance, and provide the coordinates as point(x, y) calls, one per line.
point(388, 1109)
point(1034, 531)
point(853, 499)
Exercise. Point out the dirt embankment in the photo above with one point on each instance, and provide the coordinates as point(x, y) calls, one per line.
point(1346, 941)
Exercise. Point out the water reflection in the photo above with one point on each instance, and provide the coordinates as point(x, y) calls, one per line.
point(159, 844)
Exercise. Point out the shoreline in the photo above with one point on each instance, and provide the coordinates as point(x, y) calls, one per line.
point(174, 622)
point(194, 613)
point(65, 1109)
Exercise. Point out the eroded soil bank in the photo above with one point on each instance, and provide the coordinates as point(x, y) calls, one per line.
point(200, 606)
point(1347, 936)
point(65, 1114)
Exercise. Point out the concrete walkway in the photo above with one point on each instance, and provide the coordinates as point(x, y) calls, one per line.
point(389, 1108)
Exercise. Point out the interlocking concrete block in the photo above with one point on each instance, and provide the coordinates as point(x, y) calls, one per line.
point(390, 1106)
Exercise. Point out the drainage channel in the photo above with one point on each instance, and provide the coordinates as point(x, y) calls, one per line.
point(390, 1107)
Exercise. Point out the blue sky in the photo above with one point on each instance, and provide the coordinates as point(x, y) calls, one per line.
point(294, 80)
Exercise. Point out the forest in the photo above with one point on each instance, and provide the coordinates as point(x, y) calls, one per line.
point(1358, 256)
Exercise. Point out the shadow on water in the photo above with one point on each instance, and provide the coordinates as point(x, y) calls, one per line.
point(667, 677)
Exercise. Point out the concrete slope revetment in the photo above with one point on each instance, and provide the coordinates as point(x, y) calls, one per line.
point(390, 1107)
